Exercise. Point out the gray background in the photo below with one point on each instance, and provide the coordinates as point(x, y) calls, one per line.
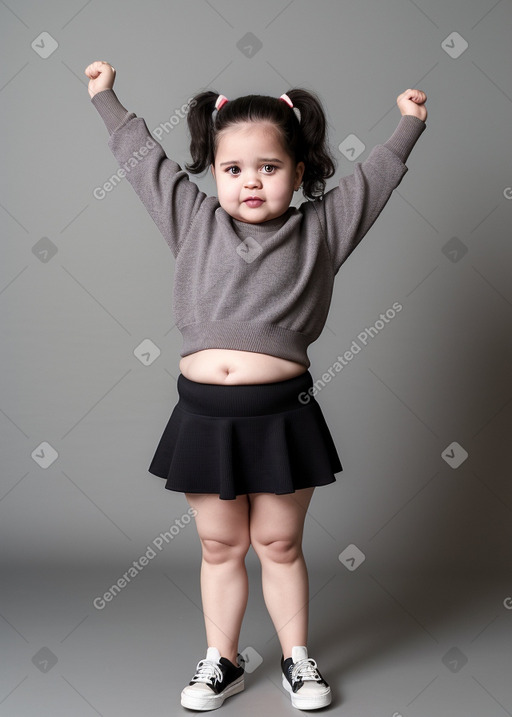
point(423, 625)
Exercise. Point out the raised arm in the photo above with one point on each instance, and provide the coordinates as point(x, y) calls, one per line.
point(347, 211)
point(164, 188)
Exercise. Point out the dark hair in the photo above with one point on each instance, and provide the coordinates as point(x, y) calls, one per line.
point(304, 139)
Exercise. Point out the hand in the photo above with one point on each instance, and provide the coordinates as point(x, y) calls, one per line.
point(102, 76)
point(412, 102)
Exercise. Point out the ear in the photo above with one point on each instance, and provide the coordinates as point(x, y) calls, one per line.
point(213, 170)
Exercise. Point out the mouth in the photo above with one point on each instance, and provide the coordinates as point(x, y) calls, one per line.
point(253, 201)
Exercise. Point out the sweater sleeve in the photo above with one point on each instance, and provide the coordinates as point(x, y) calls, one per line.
point(164, 188)
point(347, 211)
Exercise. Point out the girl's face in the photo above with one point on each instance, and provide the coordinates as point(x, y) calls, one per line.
point(251, 162)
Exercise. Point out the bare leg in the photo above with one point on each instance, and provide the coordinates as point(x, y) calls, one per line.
point(276, 529)
point(223, 528)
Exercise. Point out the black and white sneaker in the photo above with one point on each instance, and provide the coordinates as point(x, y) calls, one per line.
point(216, 678)
point(303, 681)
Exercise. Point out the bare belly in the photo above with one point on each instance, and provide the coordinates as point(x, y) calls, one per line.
point(228, 366)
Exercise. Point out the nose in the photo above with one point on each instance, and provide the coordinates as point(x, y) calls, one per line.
point(252, 179)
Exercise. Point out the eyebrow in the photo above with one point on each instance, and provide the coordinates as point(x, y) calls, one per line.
point(261, 159)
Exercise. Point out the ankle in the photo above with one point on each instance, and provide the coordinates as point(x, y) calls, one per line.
point(287, 654)
point(229, 656)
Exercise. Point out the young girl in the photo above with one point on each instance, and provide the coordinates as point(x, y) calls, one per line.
point(247, 443)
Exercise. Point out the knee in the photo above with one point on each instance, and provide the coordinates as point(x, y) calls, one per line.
point(216, 552)
point(278, 551)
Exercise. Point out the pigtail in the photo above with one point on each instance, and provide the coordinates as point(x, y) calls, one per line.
point(200, 125)
point(304, 135)
point(320, 164)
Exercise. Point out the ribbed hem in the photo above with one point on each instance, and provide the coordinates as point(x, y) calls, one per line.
point(246, 336)
point(405, 136)
point(111, 110)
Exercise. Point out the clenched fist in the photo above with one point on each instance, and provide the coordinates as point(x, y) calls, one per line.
point(102, 76)
point(412, 102)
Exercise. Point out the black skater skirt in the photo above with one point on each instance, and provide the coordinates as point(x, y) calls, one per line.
point(246, 438)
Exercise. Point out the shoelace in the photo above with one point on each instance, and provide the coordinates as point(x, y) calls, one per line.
point(305, 669)
point(207, 671)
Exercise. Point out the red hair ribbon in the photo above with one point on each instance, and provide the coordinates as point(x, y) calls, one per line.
point(221, 101)
point(286, 99)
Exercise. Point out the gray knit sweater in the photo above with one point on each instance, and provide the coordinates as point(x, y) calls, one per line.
point(253, 287)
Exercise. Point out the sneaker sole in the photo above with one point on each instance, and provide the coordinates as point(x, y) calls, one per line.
point(307, 703)
point(211, 702)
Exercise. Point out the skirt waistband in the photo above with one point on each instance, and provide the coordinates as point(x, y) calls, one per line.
point(210, 399)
